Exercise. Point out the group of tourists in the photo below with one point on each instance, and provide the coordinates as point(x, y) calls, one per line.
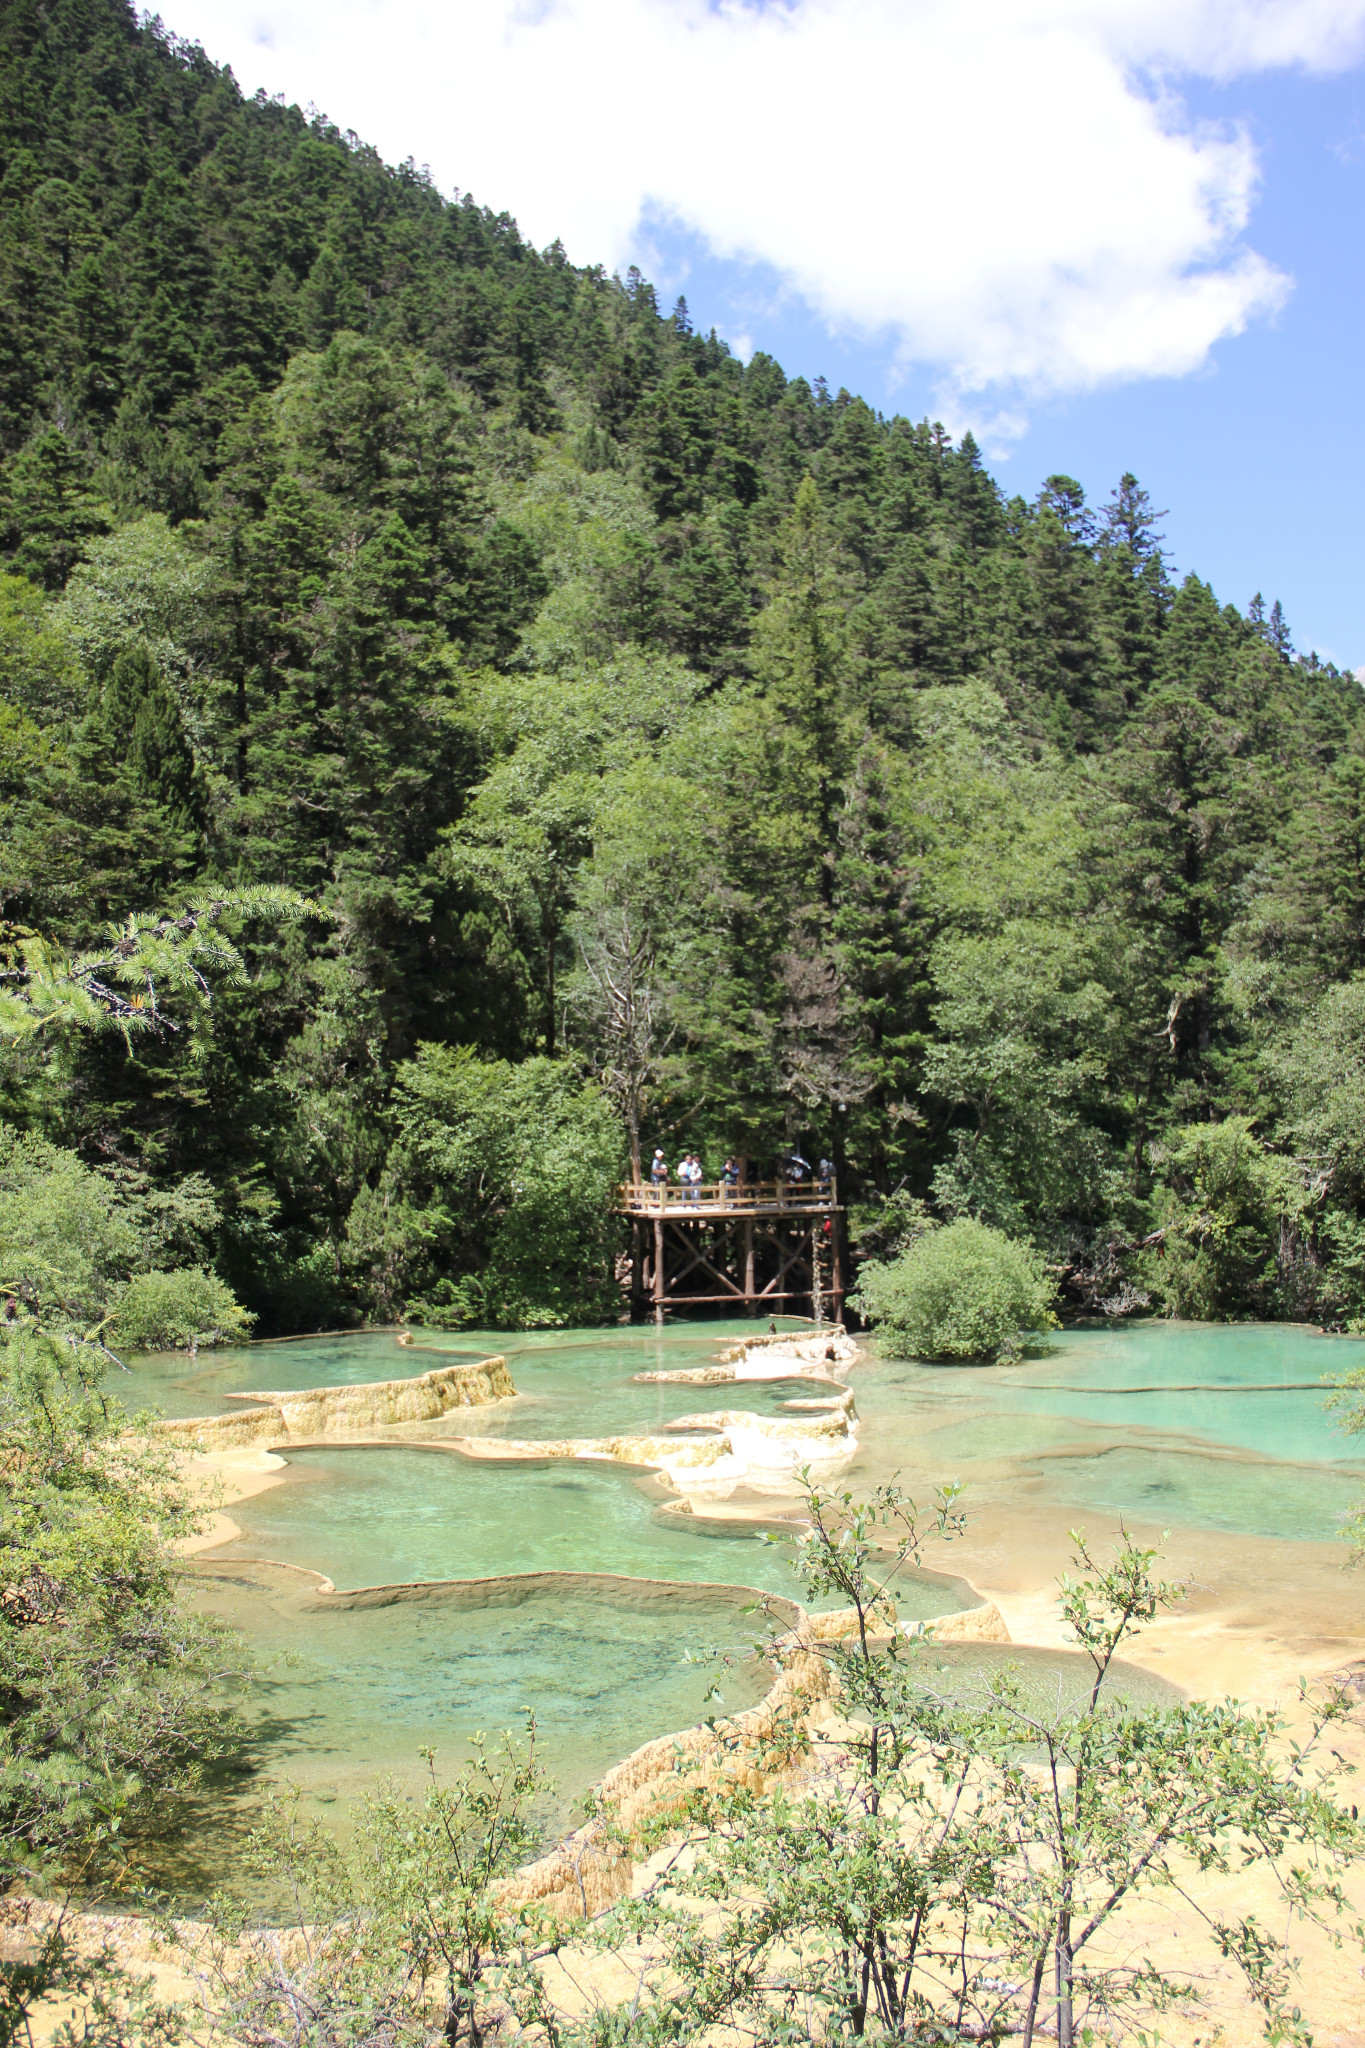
point(690, 1170)
point(793, 1169)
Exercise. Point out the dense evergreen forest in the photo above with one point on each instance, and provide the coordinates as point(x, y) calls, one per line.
point(680, 753)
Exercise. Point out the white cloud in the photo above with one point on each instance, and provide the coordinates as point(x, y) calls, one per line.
point(1010, 191)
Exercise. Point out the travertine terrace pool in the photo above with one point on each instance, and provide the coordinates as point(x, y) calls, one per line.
point(468, 1592)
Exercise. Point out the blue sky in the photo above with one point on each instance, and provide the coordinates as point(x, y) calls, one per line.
point(1108, 234)
point(1259, 457)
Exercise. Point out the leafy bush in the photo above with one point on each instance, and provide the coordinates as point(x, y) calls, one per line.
point(170, 1311)
point(495, 1205)
point(77, 1243)
point(965, 1291)
point(69, 1234)
point(65, 1238)
point(113, 1702)
point(1231, 1214)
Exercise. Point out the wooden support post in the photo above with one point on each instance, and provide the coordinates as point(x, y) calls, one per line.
point(817, 1290)
point(714, 1246)
point(637, 1268)
point(659, 1270)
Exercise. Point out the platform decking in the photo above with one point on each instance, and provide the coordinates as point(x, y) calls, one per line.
point(759, 1198)
point(752, 1245)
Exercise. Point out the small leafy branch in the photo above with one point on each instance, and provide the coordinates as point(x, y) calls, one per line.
point(955, 1866)
point(402, 1935)
point(116, 2006)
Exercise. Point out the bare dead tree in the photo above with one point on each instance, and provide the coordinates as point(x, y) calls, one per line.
point(617, 1008)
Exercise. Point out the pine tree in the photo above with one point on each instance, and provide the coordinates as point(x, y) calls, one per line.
point(1133, 591)
point(49, 510)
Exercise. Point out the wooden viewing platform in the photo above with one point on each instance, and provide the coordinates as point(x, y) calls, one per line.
point(746, 1245)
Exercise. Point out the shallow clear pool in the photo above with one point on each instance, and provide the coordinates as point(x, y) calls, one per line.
point(351, 1693)
point(569, 1382)
point(1219, 1428)
point(369, 1517)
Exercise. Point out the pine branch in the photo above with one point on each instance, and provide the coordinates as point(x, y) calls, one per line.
point(151, 959)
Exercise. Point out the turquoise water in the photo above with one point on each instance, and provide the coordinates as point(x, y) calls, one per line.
point(388, 1517)
point(569, 1382)
point(1257, 1388)
point(1220, 1428)
point(349, 1695)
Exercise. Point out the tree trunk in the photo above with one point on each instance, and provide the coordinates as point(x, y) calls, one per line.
point(1065, 2016)
point(551, 935)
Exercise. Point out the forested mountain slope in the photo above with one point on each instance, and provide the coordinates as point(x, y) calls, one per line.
point(638, 715)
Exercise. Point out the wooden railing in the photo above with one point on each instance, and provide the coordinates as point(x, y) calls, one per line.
point(705, 1198)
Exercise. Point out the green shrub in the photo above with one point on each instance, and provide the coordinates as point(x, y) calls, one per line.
point(64, 1238)
point(495, 1206)
point(1230, 1216)
point(117, 1695)
point(963, 1292)
point(171, 1311)
point(72, 1236)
